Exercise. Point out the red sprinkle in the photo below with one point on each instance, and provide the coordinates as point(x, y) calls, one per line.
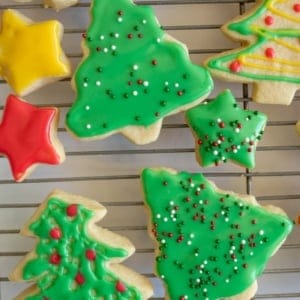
point(55, 259)
point(55, 233)
point(90, 254)
point(269, 20)
point(83, 35)
point(235, 66)
point(270, 53)
point(79, 278)
point(72, 210)
point(200, 142)
point(296, 7)
point(120, 287)
point(221, 124)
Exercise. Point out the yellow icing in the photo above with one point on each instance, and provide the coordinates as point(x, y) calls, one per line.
point(281, 13)
point(30, 53)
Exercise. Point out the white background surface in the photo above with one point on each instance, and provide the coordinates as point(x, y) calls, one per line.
point(108, 170)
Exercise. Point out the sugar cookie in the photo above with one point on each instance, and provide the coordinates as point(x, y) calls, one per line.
point(225, 131)
point(28, 136)
point(132, 75)
point(270, 57)
point(74, 258)
point(210, 244)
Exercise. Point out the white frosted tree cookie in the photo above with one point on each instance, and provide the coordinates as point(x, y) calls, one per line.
point(74, 258)
point(210, 243)
point(270, 56)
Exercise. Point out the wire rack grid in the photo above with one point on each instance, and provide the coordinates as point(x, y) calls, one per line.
point(108, 170)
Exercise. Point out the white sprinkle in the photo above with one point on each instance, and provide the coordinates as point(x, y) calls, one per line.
point(146, 83)
point(162, 276)
point(226, 219)
point(251, 253)
point(85, 84)
point(113, 47)
point(241, 204)
point(227, 280)
point(105, 50)
point(219, 142)
point(219, 120)
point(231, 252)
point(205, 262)
point(165, 219)
point(261, 242)
point(117, 35)
point(235, 260)
point(135, 93)
point(163, 241)
point(198, 280)
point(87, 107)
point(135, 67)
point(202, 266)
point(158, 216)
point(200, 201)
point(222, 212)
point(158, 40)
point(120, 19)
point(238, 147)
point(215, 152)
point(235, 268)
point(176, 84)
point(101, 37)
point(166, 83)
point(233, 247)
point(235, 151)
point(223, 158)
point(144, 21)
point(243, 242)
point(88, 126)
point(247, 140)
point(205, 290)
point(192, 235)
point(174, 219)
point(196, 254)
point(261, 232)
point(237, 130)
point(171, 202)
point(189, 242)
point(173, 211)
point(98, 83)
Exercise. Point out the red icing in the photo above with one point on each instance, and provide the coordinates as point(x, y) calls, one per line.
point(55, 233)
point(269, 20)
point(25, 136)
point(79, 278)
point(296, 7)
point(90, 254)
point(55, 259)
point(270, 52)
point(235, 66)
point(120, 287)
point(72, 210)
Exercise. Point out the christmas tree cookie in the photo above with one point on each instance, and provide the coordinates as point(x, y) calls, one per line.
point(74, 259)
point(225, 131)
point(211, 244)
point(30, 53)
point(28, 136)
point(270, 56)
point(132, 75)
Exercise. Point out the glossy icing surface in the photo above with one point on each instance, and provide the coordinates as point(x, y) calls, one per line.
point(225, 131)
point(68, 263)
point(210, 244)
point(274, 53)
point(29, 52)
point(25, 136)
point(132, 75)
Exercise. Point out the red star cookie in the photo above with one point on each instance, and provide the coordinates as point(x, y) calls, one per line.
point(28, 136)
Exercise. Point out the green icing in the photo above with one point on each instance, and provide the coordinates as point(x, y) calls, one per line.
point(264, 35)
point(225, 131)
point(210, 245)
point(58, 281)
point(133, 75)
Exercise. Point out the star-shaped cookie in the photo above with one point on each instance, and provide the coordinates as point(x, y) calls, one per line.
point(28, 136)
point(30, 53)
point(225, 131)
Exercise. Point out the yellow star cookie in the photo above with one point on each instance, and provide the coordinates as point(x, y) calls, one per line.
point(30, 53)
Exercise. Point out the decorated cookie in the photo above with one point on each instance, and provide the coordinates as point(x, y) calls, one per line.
point(270, 58)
point(28, 136)
point(56, 4)
point(30, 53)
point(211, 244)
point(74, 258)
point(225, 131)
point(132, 75)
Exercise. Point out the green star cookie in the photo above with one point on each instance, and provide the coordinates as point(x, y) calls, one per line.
point(225, 131)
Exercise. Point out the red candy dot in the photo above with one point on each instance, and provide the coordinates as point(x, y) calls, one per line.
point(72, 210)
point(90, 254)
point(269, 20)
point(120, 287)
point(296, 7)
point(270, 53)
point(79, 278)
point(235, 66)
point(55, 233)
point(55, 259)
